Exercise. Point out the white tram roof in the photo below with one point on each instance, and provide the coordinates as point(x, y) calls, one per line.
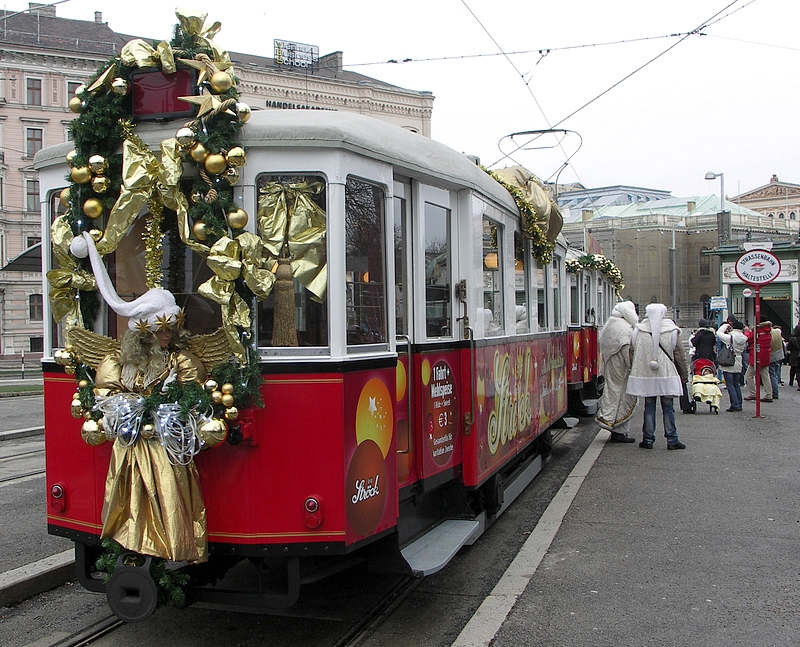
point(418, 156)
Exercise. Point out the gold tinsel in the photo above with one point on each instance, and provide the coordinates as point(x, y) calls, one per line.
point(153, 257)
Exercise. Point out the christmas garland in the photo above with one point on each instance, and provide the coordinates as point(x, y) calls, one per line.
point(541, 248)
point(597, 262)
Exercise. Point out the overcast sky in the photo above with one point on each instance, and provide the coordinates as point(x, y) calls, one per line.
point(725, 99)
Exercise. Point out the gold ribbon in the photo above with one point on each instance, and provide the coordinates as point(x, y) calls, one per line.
point(65, 282)
point(231, 259)
point(288, 215)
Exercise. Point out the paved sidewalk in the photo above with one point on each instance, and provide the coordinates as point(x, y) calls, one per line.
point(696, 547)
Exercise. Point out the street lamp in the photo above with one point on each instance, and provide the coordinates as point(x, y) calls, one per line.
point(722, 230)
point(721, 176)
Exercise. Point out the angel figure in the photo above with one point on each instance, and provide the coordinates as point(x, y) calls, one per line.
point(153, 498)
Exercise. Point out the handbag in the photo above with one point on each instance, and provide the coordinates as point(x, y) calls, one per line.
point(726, 356)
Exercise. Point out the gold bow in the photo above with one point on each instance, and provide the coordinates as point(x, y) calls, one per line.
point(143, 177)
point(192, 23)
point(231, 259)
point(288, 216)
point(143, 55)
point(65, 282)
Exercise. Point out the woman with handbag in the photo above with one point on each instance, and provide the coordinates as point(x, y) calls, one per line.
point(733, 338)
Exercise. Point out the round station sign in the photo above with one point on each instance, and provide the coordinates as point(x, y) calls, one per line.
point(758, 267)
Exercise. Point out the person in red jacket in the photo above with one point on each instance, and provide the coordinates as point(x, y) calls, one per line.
point(763, 341)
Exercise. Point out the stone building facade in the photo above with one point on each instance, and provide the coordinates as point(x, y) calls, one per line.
point(44, 58)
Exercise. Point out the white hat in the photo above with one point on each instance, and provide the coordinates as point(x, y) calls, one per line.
point(155, 310)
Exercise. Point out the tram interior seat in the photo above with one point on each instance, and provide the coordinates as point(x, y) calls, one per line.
point(521, 314)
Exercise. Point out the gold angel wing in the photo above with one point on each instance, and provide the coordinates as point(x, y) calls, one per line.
point(211, 349)
point(90, 347)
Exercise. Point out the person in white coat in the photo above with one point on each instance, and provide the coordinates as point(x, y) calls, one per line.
point(614, 342)
point(732, 334)
point(658, 370)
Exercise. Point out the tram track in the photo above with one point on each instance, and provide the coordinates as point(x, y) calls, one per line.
point(87, 635)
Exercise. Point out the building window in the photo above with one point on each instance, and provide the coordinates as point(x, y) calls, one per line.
point(34, 92)
point(792, 215)
point(30, 241)
point(781, 215)
point(35, 307)
point(705, 262)
point(33, 141)
point(37, 344)
point(32, 195)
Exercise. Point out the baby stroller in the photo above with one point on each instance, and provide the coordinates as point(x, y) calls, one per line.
point(705, 385)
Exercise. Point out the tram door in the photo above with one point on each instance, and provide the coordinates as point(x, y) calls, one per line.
point(435, 371)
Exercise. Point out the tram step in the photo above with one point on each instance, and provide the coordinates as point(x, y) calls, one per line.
point(591, 407)
point(432, 551)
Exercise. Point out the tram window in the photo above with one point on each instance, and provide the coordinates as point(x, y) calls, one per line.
point(437, 271)
point(306, 195)
point(400, 288)
point(364, 263)
point(57, 337)
point(492, 314)
point(556, 287)
point(541, 299)
point(574, 301)
point(521, 310)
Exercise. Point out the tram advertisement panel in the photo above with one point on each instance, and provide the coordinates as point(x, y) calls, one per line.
point(521, 391)
point(370, 453)
point(440, 411)
point(576, 355)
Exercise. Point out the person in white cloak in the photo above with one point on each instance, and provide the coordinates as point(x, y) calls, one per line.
point(658, 370)
point(614, 341)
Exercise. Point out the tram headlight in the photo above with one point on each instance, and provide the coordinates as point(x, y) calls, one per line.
point(313, 512)
point(58, 500)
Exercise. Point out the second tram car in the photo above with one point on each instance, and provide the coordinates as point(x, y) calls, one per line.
point(421, 396)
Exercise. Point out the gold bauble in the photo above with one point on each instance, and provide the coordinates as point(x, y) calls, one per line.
point(220, 82)
point(232, 175)
point(185, 136)
point(71, 157)
point(199, 230)
point(80, 89)
point(212, 432)
point(243, 111)
point(119, 86)
point(236, 156)
point(148, 431)
point(98, 164)
point(93, 208)
point(231, 413)
point(227, 388)
point(96, 234)
point(237, 219)
point(83, 384)
point(216, 397)
point(215, 163)
point(57, 356)
point(65, 357)
point(75, 104)
point(69, 370)
point(76, 409)
point(87, 415)
point(92, 433)
point(210, 385)
point(226, 400)
point(64, 197)
point(69, 347)
point(81, 175)
point(198, 152)
point(76, 396)
point(197, 197)
point(100, 184)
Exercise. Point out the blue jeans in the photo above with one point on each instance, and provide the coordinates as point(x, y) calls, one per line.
point(668, 414)
point(734, 387)
point(775, 377)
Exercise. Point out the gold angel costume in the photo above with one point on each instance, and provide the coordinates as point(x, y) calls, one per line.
point(152, 505)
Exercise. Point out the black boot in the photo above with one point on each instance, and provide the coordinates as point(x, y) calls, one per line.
point(617, 437)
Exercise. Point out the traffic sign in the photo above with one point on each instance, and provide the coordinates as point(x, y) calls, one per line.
point(747, 292)
point(718, 303)
point(758, 267)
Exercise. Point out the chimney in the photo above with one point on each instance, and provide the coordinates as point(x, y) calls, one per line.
point(98, 17)
point(690, 206)
point(36, 8)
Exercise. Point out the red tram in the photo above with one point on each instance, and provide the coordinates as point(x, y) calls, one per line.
point(421, 396)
